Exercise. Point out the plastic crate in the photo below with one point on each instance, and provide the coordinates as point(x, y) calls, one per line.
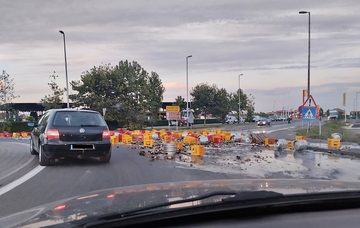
point(197, 150)
point(114, 139)
point(300, 137)
point(269, 141)
point(127, 139)
point(333, 143)
point(149, 143)
point(290, 145)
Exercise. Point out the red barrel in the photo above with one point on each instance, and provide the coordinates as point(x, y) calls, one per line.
point(120, 130)
point(211, 138)
point(218, 140)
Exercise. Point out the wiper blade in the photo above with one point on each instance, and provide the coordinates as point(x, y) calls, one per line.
point(205, 196)
point(254, 195)
point(238, 196)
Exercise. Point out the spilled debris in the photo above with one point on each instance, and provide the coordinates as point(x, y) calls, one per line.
point(246, 153)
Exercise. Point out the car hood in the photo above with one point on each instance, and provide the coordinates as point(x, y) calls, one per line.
point(128, 198)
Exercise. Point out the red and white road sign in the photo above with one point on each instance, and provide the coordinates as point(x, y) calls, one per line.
point(173, 116)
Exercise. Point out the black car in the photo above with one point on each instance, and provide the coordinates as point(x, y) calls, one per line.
point(263, 122)
point(62, 133)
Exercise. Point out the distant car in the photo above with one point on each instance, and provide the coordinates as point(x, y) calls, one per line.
point(62, 133)
point(273, 118)
point(263, 122)
point(180, 123)
point(231, 120)
point(256, 118)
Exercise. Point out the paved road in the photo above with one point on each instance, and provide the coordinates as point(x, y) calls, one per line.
point(15, 160)
point(74, 177)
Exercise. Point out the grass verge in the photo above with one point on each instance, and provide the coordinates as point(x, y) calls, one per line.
point(329, 128)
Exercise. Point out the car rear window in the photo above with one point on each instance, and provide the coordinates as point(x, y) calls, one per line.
point(91, 119)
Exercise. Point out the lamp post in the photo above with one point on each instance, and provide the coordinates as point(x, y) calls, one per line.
point(239, 100)
point(187, 89)
point(356, 111)
point(66, 73)
point(308, 83)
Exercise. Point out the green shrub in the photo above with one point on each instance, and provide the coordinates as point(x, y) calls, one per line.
point(15, 127)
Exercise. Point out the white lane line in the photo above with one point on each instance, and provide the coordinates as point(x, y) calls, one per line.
point(21, 180)
point(19, 168)
point(32, 157)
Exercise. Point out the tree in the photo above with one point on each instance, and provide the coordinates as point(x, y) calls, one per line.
point(327, 113)
point(250, 107)
point(262, 114)
point(222, 102)
point(53, 100)
point(154, 96)
point(203, 98)
point(247, 104)
point(7, 85)
point(321, 112)
point(180, 101)
point(7, 95)
point(127, 91)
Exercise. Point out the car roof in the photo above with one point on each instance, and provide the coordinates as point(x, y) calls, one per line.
point(72, 110)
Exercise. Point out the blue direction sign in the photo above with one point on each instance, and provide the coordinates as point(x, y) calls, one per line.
point(308, 113)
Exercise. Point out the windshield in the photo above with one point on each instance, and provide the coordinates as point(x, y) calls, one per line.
point(78, 119)
point(173, 91)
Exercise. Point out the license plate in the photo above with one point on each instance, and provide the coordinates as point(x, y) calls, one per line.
point(82, 147)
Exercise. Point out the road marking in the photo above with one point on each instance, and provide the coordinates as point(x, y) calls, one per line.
point(21, 180)
point(19, 168)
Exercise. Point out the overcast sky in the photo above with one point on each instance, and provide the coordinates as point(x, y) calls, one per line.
point(265, 40)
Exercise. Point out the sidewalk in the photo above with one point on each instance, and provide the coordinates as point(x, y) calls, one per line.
point(15, 160)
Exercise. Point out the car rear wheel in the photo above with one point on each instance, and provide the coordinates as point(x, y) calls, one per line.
point(105, 158)
point(32, 150)
point(43, 161)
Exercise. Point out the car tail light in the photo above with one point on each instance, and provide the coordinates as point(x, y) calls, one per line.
point(52, 134)
point(60, 207)
point(106, 134)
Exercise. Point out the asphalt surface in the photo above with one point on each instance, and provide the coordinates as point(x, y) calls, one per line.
point(15, 160)
point(69, 178)
point(74, 177)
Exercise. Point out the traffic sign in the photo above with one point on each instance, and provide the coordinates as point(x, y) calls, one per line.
point(308, 113)
point(310, 98)
point(172, 108)
point(173, 116)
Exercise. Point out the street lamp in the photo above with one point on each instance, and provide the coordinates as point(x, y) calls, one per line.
point(187, 89)
point(356, 111)
point(239, 101)
point(66, 73)
point(308, 84)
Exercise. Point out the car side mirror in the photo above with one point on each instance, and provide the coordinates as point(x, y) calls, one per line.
point(31, 124)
